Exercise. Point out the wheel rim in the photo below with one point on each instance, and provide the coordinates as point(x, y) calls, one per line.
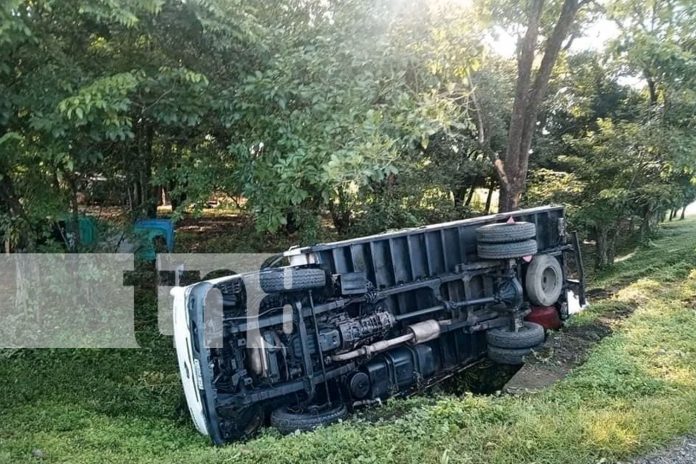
point(549, 281)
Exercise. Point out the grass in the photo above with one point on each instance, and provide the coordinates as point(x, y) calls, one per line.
point(636, 392)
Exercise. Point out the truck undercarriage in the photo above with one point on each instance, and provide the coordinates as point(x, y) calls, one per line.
point(349, 323)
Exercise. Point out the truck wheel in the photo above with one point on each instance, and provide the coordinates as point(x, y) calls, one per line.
point(241, 424)
point(289, 279)
point(528, 336)
point(510, 356)
point(544, 280)
point(287, 421)
point(507, 250)
point(506, 232)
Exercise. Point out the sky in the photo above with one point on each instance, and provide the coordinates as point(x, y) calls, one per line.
point(595, 38)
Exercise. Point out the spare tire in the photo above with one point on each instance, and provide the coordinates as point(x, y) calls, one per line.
point(544, 280)
point(291, 279)
point(506, 232)
point(287, 421)
point(528, 336)
point(507, 250)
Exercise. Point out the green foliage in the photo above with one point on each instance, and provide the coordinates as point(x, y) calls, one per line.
point(329, 116)
point(295, 109)
point(376, 115)
point(628, 148)
point(101, 108)
point(554, 187)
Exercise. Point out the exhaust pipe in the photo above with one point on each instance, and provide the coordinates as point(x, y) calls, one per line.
point(420, 332)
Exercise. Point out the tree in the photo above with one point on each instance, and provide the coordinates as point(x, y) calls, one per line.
point(530, 90)
point(98, 90)
point(371, 114)
point(657, 44)
point(351, 95)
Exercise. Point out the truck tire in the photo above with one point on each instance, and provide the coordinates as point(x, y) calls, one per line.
point(509, 356)
point(506, 232)
point(544, 280)
point(507, 250)
point(287, 421)
point(289, 279)
point(528, 336)
point(241, 424)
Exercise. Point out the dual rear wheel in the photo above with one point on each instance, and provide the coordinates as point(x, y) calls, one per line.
point(543, 283)
point(506, 346)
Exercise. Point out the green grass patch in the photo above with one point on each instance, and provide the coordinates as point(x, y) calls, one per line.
point(636, 391)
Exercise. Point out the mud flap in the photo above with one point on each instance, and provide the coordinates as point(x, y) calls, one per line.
point(575, 296)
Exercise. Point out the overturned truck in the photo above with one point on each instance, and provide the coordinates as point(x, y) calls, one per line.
point(334, 326)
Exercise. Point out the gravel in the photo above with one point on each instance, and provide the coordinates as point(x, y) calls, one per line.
point(681, 452)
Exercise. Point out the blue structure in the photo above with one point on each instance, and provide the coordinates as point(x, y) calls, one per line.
point(150, 230)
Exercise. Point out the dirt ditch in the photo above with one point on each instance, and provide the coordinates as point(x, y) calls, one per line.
point(564, 350)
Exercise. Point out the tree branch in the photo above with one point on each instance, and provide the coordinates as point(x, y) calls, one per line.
point(483, 138)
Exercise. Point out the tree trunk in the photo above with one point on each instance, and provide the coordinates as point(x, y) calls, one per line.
point(459, 194)
point(291, 225)
point(510, 196)
point(340, 213)
point(489, 197)
point(152, 197)
point(605, 239)
point(12, 201)
point(611, 247)
point(137, 199)
point(146, 196)
point(652, 90)
point(529, 93)
point(74, 244)
point(470, 196)
point(683, 214)
point(602, 259)
point(645, 225)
